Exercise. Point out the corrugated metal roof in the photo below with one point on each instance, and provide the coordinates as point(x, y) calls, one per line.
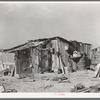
point(34, 43)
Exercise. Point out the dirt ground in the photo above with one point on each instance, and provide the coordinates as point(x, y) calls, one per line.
point(49, 82)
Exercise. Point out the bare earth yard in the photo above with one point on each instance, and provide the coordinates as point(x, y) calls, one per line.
point(49, 82)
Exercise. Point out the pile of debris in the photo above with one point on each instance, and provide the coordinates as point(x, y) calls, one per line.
point(81, 88)
point(61, 79)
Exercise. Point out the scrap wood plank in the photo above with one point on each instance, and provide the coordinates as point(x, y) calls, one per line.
point(89, 88)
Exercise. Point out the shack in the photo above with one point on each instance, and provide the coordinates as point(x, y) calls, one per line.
point(44, 55)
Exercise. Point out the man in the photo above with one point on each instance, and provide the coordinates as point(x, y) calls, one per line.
point(97, 70)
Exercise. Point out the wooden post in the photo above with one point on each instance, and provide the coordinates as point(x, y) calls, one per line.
point(16, 64)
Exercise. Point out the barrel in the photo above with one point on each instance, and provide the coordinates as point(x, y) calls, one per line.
point(70, 65)
point(74, 66)
point(81, 65)
point(70, 69)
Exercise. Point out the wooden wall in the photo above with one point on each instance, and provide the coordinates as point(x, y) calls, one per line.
point(7, 57)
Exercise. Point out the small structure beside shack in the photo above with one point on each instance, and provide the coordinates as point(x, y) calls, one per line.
point(46, 55)
point(95, 52)
point(85, 59)
point(82, 48)
point(6, 62)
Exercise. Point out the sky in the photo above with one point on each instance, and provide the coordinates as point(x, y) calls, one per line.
point(20, 22)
